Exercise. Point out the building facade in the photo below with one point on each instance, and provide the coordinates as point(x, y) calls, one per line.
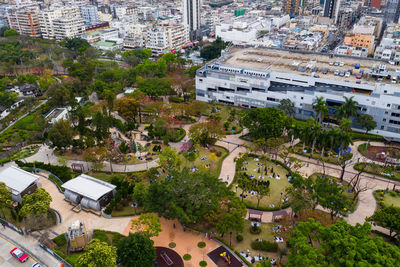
point(61, 22)
point(24, 20)
point(164, 39)
point(392, 11)
point(89, 14)
point(249, 88)
point(191, 17)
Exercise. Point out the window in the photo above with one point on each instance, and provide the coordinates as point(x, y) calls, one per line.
point(395, 114)
point(302, 98)
point(382, 127)
point(384, 120)
point(386, 112)
point(388, 105)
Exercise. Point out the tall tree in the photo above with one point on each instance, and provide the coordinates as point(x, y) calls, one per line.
point(367, 122)
point(387, 217)
point(136, 250)
point(206, 133)
point(61, 134)
point(5, 197)
point(170, 158)
point(98, 253)
point(287, 106)
point(321, 108)
point(37, 203)
point(339, 244)
point(148, 223)
point(348, 108)
point(265, 122)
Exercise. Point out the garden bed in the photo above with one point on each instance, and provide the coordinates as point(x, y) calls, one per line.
point(333, 158)
point(371, 152)
point(387, 198)
point(388, 172)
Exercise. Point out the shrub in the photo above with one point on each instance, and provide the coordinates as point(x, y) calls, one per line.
point(60, 240)
point(239, 238)
point(255, 230)
point(187, 257)
point(172, 245)
point(264, 246)
point(203, 264)
point(108, 210)
point(218, 153)
point(393, 193)
point(62, 172)
point(201, 244)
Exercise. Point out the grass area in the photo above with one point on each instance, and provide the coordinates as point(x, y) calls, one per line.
point(346, 189)
point(33, 223)
point(380, 170)
point(126, 210)
point(21, 154)
point(266, 234)
point(387, 198)
point(333, 158)
point(276, 186)
point(23, 129)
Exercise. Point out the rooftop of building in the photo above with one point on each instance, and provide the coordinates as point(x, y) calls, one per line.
point(88, 186)
point(301, 63)
point(17, 179)
point(55, 113)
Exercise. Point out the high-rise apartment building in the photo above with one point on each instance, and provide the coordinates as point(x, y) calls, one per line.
point(24, 20)
point(191, 17)
point(331, 9)
point(61, 22)
point(392, 11)
point(89, 14)
point(164, 39)
point(291, 7)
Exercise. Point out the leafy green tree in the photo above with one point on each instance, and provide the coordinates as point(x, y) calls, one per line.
point(10, 32)
point(75, 44)
point(348, 108)
point(37, 203)
point(109, 96)
point(214, 50)
point(367, 122)
point(387, 217)
point(330, 196)
point(128, 248)
point(265, 122)
point(61, 134)
point(191, 71)
point(186, 196)
point(5, 197)
point(345, 125)
point(287, 106)
point(148, 223)
point(98, 253)
point(339, 244)
point(154, 87)
point(192, 155)
point(140, 192)
point(321, 108)
point(228, 217)
point(206, 133)
point(170, 158)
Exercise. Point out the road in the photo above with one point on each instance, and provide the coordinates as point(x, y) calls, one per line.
point(23, 116)
point(10, 239)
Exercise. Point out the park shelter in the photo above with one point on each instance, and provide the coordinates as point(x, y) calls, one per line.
point(90, 192)
point(257, 213)
point(20, 182)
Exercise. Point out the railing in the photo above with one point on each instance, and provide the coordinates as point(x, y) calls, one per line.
point(11, 226)
point(58, 257)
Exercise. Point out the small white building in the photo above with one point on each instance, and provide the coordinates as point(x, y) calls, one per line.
point(57, 114)
point(19, 182)
point(90, 192)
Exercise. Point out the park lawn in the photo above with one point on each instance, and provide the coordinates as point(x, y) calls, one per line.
point(276, 186)
point(333, 159)
point(347, 188)
point(22, 130)
point(224, 112)
point(377, 169)
point(126, 211)
point(390, 199)
point(266, 234)
point(211, 158)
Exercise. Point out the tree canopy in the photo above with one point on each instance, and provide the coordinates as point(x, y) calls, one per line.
point(265, 122)
point(98, 253)
point(61, 134)
point(387, 217)
point(136, 250)
point(339, 244)
point(37, 203)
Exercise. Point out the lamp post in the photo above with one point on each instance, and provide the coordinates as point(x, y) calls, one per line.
point(280, 200)
point(48, 158)
point(230, 239)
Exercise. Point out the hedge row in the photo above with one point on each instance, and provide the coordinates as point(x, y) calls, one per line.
point(62, 172)
point(264, 246)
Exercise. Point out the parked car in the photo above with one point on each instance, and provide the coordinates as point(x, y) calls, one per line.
point(380, 79)
point(331, 63)
point(341, 74)
point(37, 264)
point(315, 69)
point(336, 72)
point(19, 255)
point(357, 66)
point(347, 74)
point(336, 63)
point(341, 64)
point(325, 71)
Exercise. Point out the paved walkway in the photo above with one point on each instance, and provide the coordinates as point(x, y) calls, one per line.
point(90, 220)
